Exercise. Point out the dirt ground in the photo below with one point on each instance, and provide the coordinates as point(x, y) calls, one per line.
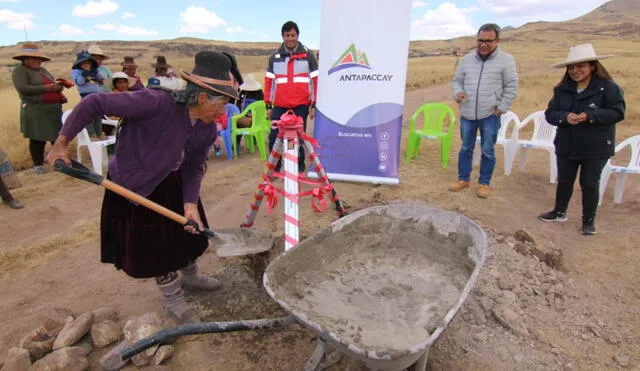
point(576, 308)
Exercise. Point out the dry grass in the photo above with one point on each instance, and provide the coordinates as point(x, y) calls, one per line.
point(536, 47)
point(43, 251)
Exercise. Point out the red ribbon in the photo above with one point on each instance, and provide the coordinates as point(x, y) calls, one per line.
point(318, 202)
point(318, 194)
point(270, 193)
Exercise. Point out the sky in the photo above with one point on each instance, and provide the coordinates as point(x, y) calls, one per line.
point(251, 20)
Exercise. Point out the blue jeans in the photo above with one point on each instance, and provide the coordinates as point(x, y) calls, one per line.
point(488, 128)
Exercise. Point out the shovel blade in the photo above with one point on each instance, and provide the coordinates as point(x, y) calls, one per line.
point(241, 241)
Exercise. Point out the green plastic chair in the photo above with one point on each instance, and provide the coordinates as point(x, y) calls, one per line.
point(257, 130)
point(434, 117)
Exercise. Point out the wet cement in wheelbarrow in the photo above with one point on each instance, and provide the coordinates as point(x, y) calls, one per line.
point(381, 285)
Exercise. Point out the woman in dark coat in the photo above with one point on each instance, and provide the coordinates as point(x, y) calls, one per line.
point(586, 106)
point(40, 102)
point(160, 154)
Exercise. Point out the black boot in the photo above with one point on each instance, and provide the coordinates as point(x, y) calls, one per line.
point(588, 226)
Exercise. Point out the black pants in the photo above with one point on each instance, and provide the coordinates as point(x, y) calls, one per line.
point(276, 112)
point(36, 148)
point(590, 170)
point(4, 191)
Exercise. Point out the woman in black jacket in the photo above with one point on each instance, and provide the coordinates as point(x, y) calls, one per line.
point(585, 107)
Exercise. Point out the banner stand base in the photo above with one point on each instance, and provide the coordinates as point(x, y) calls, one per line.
point(356, 178)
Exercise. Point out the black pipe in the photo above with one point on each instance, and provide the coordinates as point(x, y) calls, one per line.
point(171, 333)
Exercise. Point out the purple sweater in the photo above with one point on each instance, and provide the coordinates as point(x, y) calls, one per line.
point(156, 134)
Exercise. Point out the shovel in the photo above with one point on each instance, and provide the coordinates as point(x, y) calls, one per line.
point(229, 242)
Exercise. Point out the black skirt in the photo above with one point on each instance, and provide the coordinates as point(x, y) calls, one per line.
point(144, 243)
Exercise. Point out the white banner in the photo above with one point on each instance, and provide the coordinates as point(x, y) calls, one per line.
point(363, 51)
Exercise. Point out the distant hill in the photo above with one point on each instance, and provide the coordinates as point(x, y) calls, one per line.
point(617, 19)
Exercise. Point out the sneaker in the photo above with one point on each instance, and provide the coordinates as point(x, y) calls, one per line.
point(459, 186)
point(553, 216)
point(217, 149)
point(483, 191)
point(39, 169)
point(588, 226)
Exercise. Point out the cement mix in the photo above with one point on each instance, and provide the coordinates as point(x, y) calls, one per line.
point(380, 283)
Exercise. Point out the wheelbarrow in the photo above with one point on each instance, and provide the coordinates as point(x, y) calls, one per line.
point(379, 285)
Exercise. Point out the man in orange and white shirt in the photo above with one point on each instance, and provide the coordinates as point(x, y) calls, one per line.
point(291, 82)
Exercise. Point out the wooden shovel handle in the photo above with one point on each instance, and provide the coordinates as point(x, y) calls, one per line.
point(132, 196)
point(79, 171)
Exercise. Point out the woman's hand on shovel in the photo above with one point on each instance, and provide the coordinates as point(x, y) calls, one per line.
point(60, 150)
point(191, 213)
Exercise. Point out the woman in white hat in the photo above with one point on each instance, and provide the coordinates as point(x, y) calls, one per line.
point(250, 91)
point(585, 107)
point(119, 82)
point(98, 55)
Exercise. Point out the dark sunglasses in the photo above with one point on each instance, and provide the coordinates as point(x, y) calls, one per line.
point(485, 41)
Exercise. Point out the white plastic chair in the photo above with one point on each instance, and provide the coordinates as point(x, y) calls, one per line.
point(506, 120)
point(107, 121)
point(633, 167)
point(97, 149)
point(543, 136)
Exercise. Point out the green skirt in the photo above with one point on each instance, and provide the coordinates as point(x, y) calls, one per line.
point(40, 121)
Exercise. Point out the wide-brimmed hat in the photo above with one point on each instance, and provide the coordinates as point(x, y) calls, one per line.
point(95, 50)
point(83, 56)
point(212, 72)
point(581, 53)
point(250, 84)
point(161, 62)
point(108, 83)
point(30, 51)
point(128, 62)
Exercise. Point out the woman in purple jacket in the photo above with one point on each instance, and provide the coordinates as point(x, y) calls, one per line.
point(160, 154)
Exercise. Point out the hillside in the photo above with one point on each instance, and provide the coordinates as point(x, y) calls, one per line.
point(613, 26)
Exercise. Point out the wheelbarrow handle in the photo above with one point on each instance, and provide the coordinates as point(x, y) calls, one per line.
point(79, 171)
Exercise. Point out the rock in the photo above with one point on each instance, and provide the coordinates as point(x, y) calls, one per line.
point(508, 298)
point(74, 331)
point(65, 358)
point(104, 313)
point(164, 352)
point(86, 344)
point(486, 303)
point(511, 320)
point(481, 337)
point(522, 248)
point(556, 351)
point(112, 360)
point(518, 358)
point(17, 360)
point(53, 327)
point(506, 283)
point(621, 360)
point(613, 340)
point(594, 330)
point(105, 333)
point(140, 328)
point(523, 236)
point(567, 367)
point(38, 343)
